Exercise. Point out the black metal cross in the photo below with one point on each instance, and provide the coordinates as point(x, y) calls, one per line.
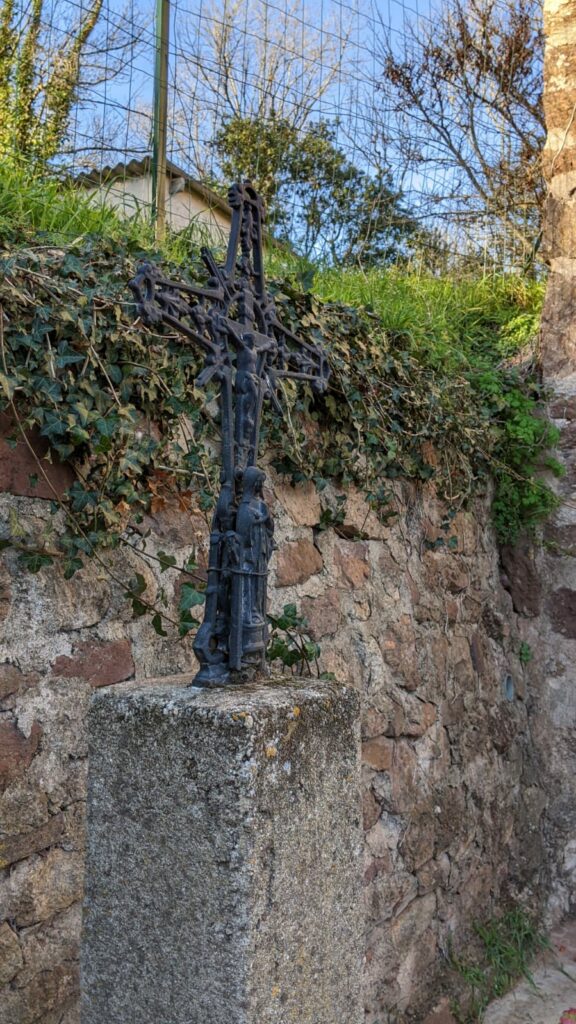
point(248, 351)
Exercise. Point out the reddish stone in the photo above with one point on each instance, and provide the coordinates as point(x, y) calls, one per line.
point(563, 407)
point(567, 440)
point(16, 750)
point(398, 647)
point(418, 841)
point(53, 989)
point(361, 521)
point(429, 876)
point(429, 453)
point(403, 773)
point(465, 528)
point(100, 663)
point(523, 578)
point(302, 502)
point(442, 571)
point(419, 718)
point(351, 557)
point(562, 607)
point(16, 848)
point(453, 711)
point(375, 868)
point(297, 561)
point(374, 723)
point(19, 466)
point(12, 680)
point(504, 727)
point(174, 523)
point(477, 654)
point(322, 613)
point(377, 753)
point(370, 809)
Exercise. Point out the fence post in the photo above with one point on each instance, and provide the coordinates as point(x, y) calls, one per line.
point(162, 35)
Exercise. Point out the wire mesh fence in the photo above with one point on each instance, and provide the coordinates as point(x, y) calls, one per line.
point(378, 132)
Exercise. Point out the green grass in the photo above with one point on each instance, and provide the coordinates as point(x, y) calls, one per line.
point(448, 324)
point(508, 945)
point(462, 330)
point(34, 205)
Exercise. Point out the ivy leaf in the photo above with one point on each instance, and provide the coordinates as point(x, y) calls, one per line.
point(35, 561)
point(8, 385)
point(157, 623)
point(83, 412)
point(190, 597)
point(71, 566)
point(186, 624)
point(68, 358)
point(82, 499)
point(139, 584)
point(166, 561)
point(16, 528)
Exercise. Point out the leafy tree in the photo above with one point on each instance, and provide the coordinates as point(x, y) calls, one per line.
point(254, 62)
point(255, 77)
point(46, 65)
point(466, 95)
point(318, 200)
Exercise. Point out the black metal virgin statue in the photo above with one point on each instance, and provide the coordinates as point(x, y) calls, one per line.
point(248, 351)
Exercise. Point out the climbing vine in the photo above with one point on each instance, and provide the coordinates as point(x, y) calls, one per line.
point(118, 401)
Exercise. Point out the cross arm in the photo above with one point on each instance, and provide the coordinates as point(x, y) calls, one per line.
point(300, 360)
point(153, 292)
point(159, 301)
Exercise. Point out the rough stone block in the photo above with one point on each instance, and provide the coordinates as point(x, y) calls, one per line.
point(16, 750)
point(19, 468)
point(296, 562)
point(224, 857)
point(101, 663)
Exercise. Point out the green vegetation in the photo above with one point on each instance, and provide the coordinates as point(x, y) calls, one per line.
point(355, 217)
point(291, 644)
point(422, 386)
point(508, 945)
point(452, 324)
point(39, 81)
point(480, 332)
point(36, 208)
point(525, 653)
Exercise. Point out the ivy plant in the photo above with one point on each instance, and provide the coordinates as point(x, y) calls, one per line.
point(118, 402)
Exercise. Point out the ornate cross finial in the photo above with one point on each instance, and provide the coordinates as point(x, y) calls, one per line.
point(247, 352)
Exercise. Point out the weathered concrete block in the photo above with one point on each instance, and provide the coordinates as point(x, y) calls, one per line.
point(223, 869)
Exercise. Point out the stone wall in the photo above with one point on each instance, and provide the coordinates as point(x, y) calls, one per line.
point(555, 711)
point(416, 615)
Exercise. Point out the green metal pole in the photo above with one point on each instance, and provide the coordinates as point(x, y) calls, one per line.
point(162, 34)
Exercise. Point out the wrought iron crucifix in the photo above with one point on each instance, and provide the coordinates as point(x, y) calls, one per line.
point(247, 352)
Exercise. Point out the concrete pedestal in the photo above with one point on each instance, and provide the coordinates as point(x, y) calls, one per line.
point(224, 857)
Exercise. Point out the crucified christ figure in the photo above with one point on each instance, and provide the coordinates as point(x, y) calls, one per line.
point(247, 352)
